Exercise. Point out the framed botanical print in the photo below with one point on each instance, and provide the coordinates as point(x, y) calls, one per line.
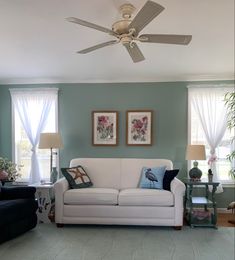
point(104, 128)
point(139, 127)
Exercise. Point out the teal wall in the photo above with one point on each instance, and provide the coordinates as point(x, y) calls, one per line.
point(168, 100)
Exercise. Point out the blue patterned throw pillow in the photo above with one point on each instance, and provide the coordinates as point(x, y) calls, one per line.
point(152, 178)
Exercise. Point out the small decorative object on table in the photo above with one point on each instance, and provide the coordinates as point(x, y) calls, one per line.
point(210, 175)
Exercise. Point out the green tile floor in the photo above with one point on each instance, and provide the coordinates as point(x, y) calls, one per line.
point(47, 242)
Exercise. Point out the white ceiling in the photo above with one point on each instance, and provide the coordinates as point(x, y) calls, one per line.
point(37, 45)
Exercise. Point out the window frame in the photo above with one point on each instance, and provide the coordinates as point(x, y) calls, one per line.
point(225, 183)
point(13, 126)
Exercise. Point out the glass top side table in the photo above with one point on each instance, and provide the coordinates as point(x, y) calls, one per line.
point(200, 211)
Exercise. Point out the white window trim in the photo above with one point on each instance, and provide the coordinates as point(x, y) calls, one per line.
point(13, 124)
point(228, 183)
point(56, 127)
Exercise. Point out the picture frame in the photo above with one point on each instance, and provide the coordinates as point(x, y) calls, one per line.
point(104, 128)
point(139, 124)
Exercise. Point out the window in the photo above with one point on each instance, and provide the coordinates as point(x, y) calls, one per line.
point(210, 111)
point(33, 111)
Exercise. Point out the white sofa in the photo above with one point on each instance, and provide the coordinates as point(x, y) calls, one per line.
point(114, 198)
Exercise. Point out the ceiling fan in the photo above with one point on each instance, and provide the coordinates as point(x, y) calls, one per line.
point(127, 30)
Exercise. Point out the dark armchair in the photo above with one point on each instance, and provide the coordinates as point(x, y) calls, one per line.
point(17, 211)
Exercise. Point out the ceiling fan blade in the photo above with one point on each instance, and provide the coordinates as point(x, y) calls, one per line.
point(148, 12)
point(91, 25)
point(98, 46)
point(166, 38)
point(134, 52)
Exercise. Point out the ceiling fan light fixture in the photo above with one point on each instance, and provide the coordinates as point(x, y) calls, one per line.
point(126, 40)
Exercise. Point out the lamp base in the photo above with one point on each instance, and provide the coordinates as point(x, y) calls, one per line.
point(54, 175)
point(195, 173)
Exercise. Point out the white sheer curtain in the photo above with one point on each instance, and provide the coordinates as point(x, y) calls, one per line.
point(33, 121)
point(210, 108)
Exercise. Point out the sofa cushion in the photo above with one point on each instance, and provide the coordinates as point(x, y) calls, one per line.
point(152, 178)
point(91, 196)
point(104, 172)
point(131, 170)
point(168, 177)
point(12, 193)
point(76, 177)
point(145, 197)
point(14, 210)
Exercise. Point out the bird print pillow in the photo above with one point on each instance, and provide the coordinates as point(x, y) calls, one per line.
point(76, 177)
point(152, 178)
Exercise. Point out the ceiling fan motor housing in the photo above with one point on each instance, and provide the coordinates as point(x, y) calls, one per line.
point(121, 27)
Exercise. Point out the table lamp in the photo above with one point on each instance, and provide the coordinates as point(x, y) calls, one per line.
point(50, 141)
point(195, 152)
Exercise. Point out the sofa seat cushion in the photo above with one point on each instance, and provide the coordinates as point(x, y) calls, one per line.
point(15, 210)
point(91, 196)
point(145, 197)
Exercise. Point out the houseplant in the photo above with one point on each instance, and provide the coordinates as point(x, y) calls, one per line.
point(230, 104)
point(9, 169)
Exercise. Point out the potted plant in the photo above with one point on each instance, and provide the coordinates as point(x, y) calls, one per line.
point(230, 104)
point(8, 170)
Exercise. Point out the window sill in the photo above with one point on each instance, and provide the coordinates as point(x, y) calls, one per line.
point(20, 183)
point(228, 185)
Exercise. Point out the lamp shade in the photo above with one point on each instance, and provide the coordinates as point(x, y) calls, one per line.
point(50, 140)
point(196, 152)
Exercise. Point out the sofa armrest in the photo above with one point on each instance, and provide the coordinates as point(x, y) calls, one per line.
point(177, 186)
point(178, 189)
point(12, 193)
point(60, 187)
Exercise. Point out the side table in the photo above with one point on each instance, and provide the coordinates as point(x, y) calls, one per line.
point(207, 217)
point(45, 197)
point(5, 181)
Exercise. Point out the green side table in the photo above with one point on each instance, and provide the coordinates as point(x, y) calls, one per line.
point(200, 211)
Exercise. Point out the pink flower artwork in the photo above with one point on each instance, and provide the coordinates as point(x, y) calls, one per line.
point(104, 127)
point(139, 129)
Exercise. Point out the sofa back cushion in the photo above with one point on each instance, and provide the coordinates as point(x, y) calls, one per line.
point(103, 172)
point(131, 170)
point(117, 173)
